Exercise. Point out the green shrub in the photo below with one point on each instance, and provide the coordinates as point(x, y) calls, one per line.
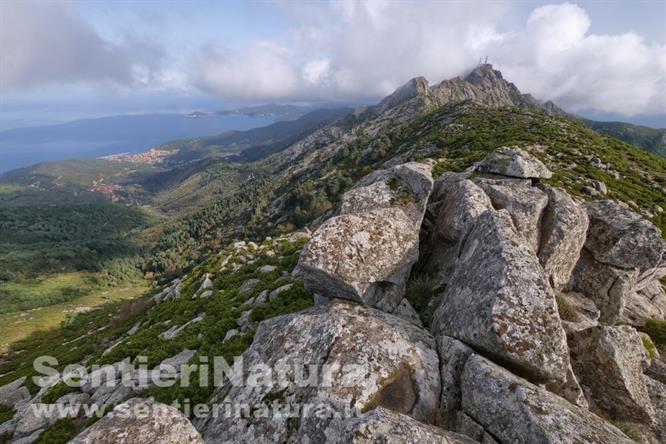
point(649, 347)
point(57, 391)
point(6, 414)
point(567, 312)
point(60, 432)
point(420, 291)
point(656, 330)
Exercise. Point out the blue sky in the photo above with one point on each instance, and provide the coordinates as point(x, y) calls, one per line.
point(605, 59)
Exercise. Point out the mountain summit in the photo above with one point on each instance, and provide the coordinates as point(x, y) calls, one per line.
point(484, 85)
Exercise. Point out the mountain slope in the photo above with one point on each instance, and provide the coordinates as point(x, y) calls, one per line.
point(305, 181)
point(512, 339)
point(649, 139)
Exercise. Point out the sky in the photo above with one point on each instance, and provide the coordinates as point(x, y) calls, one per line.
point(602, 59)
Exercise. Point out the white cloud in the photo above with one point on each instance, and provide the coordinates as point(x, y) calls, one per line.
point(555, 58)
point(263, 71)
point(369, 48)
point(50, 43)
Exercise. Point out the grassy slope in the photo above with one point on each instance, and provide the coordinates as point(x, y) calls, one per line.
point(648, 139)
point(90, 334)
point(460, 135)
point(18, 326)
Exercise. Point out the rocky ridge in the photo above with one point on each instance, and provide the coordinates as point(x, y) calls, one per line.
point(499, 361)
point(510, 368)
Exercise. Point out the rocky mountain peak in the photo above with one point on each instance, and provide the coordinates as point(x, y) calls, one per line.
point(484, 85)
point(418, 86)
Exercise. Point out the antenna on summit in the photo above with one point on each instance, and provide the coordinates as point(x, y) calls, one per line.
point(485, 62)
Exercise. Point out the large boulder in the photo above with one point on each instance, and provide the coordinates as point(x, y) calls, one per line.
point(460, 204)
point(364, 257)
point(514, 162)
point(622, 238)
point(608, 287)
point(140, 421)
point(405, 186)
point(524, 203)
point(14, 393)
point(384, 426)
point(361, 359)
point(609, 362)
point(563, 232)
point(515, 411)
point(644, 304)
point(453, 355)
point(499, 302)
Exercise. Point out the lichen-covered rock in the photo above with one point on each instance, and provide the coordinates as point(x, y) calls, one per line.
point(407, 312)
point(657, 390)
point(365, 257)
point(36, 416)
point(499, 302)
point(453, 355)
point(609, 361)
point(384, 426)
point(462, 202)
point(365, 359)
point(405, 186)
point(14, 393)
point(647, 303)
point(622, 238)
point(514, 162)
point(524, 203)
point(608, 287)
point(563, 232)
point(516, 411)
point(140, 421)
point(580, 314)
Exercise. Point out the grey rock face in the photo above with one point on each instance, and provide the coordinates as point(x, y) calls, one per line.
point(563, 231)
point(34, 417)
point(384, 426)
point(462, 202)
point(365, 257)
point(657, 390)
point(622, 238)
point(500, 302)
point(407, 312)
point(129, 424)
point(365, 358)
point(609, 287)
point(453, 356)
point(516, 411)
point(585, 314)
point(405, 186)
point(609, 361)
point(523, 202)
point(647, 303)
point(14, 393)
point(514, 162)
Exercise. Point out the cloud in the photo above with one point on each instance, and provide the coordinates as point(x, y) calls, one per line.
point(263, 71)
point(555, 58)
point(50, 43)
point(366, 49)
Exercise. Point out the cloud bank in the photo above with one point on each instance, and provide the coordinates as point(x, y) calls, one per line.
point(351, 50)
point(51, 44)
point(372, 47)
